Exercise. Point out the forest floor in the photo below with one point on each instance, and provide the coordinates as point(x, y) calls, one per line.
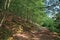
point(16, 28)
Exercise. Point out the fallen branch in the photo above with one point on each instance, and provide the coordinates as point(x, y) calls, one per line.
point(2, 21)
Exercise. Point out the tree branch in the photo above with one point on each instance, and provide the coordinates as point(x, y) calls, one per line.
point(2, 21)
point(8, 3)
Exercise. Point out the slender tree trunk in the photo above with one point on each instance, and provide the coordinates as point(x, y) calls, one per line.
point(7, 4)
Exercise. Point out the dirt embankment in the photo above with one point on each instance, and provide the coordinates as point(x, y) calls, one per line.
point(16, 28)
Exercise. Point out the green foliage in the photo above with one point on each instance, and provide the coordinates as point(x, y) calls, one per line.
point(32, 10)
point(28, 9)
point(25, 8)
point(57, 21)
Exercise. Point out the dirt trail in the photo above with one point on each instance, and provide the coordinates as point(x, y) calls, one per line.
point(16, 28)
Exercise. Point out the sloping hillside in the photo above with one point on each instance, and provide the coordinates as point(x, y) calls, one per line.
point(16, 28)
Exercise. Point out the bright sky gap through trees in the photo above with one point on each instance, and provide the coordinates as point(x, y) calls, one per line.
point(52, 7)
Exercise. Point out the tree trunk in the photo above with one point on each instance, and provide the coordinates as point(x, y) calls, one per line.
point(7, 4)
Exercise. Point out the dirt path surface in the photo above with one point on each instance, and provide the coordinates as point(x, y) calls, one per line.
point(16, 28)
point(36, 36)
